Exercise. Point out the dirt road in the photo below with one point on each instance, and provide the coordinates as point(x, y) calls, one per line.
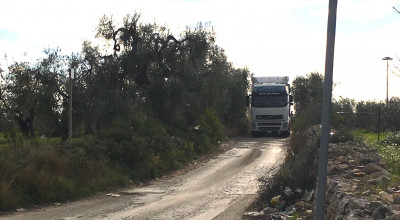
point(221, 188)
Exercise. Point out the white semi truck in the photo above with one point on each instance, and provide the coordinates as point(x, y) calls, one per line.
point(270, 105)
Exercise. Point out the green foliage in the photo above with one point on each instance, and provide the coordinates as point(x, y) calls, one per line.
point(153, 72)
point(391, 156)
point(341, 135)
point(392, 116)
point(343, 115)
point(392, 139)
point(39, 174)
point(211, 131)
point(368, 115)
point(210, 124)
point(388, 148)
point(307, 93)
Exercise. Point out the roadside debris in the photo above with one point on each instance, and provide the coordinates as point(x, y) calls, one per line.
point(113, 195)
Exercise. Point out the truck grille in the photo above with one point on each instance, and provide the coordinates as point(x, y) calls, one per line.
point(268, 117)
point(269, 128)
point(269, 124)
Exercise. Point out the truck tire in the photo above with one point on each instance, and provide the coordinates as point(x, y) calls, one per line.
point(286, 133)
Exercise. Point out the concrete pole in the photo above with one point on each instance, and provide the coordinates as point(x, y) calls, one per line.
point(326, 112)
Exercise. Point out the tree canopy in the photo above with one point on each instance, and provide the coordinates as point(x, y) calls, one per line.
point(150, 73)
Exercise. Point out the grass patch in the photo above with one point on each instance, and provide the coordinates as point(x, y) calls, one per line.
point(387, 146)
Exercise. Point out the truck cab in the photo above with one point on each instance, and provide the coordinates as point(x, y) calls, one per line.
point(270, 105)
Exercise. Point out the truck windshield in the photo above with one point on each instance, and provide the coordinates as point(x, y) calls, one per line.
point(269, 101)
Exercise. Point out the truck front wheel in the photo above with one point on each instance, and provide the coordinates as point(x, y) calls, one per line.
point(286, 133)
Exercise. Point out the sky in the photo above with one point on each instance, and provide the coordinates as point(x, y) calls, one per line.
point(270, 38)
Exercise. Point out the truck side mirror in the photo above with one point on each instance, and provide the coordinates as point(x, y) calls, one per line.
point(247, 100)
point(291, 99)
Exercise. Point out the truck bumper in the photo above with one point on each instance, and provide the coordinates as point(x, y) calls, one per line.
point(270, 126)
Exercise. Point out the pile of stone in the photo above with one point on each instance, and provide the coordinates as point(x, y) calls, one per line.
point(359, 187)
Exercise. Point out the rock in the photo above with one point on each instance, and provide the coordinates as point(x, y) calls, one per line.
point(396, 198)
point(342, 159)
point(375, 204)
point(366, 193)
point(380, 174)
point(380, 213)
point(359, 174)
point(113, 195)
point(299, 191)
point(359, 212)
point(269, 210)
point(20, 210)
point(374, 197)
point(386, 196)
point(390, 190)
point(290, 209)
point(254, 214)
point(373, 168)
point(365, 158)
point(394, 217)
point(333, 169)
point(357, 203)
point(301, 205)
point(343, 167)
point(395, 207)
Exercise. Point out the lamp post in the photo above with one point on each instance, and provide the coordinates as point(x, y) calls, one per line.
point(387, 80)
point(71, 77)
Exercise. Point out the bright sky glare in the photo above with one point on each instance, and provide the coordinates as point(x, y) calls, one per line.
point(267, 37)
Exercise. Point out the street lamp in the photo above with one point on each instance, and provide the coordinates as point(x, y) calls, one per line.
point(71, 77)
point(387, 80)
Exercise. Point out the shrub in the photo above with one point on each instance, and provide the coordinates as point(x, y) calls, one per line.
point(341, 136)
point(299, 169)
point(392, 138)
point(40, 173)
point(211, 132)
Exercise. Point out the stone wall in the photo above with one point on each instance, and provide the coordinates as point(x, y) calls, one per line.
point(359, 186)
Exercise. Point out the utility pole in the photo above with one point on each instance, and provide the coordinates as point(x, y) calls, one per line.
point(326, 111)
point(387, 80)
point(71, 78)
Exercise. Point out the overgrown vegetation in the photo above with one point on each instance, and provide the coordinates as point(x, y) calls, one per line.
point(150, 107)
point(298, 171)
point(388, 147)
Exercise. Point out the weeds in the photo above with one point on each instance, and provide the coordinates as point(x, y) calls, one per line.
point(45, 170)
point(299, 169)
point(388, 147)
